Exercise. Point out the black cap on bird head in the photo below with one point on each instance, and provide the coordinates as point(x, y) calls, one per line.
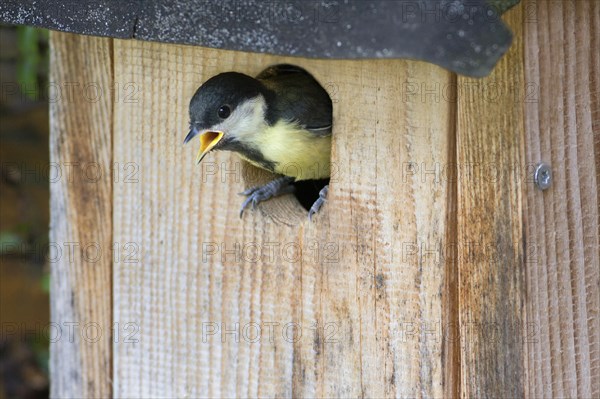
point(224, 108)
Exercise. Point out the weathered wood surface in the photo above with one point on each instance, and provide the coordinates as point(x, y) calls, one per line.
point(368, 303)
point(562, 72)
point(489, 137)
point(81, 216)
point(435, 270)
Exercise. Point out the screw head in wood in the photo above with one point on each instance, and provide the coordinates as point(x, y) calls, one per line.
point(543, 176)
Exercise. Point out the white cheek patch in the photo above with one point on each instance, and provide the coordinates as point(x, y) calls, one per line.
point(247, 119)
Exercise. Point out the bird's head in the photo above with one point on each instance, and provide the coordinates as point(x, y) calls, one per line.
point(227, 109)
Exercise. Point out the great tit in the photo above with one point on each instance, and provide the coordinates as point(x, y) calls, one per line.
point(279, 121)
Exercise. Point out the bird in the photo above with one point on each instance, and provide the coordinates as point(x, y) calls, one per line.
point(280, 121)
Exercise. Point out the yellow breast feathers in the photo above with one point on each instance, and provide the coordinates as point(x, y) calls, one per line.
point(295, 151)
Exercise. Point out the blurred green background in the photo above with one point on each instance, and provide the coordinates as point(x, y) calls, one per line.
point(24, 208)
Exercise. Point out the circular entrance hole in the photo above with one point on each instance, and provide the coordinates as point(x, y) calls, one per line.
point(283, 209)
point(289, 209)
point(307, 191)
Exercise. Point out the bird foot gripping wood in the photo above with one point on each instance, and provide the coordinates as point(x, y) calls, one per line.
point(274, 188)
point(319, 202)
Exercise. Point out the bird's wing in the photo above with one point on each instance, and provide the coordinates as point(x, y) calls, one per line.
point(298, 97)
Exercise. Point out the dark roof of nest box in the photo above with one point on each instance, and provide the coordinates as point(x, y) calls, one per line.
point(465, 36)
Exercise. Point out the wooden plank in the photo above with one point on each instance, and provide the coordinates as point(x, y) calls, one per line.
point(80, 211)
point(451, 315)
point(562, 223)
point(364, 284)
point(489, 240)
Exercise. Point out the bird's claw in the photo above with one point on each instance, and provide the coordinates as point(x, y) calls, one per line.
point(272, 189)
point(319, 202)
point(250, 190)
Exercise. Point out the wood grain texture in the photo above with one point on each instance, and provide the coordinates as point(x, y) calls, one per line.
point(562, 69)
point(489, 134)
point(362, 287)
point(436, 269)
point(80, 211)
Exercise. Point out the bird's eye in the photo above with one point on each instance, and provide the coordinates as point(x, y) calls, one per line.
point(224, 111)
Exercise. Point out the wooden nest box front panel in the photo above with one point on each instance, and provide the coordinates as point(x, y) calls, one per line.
point(272, 304)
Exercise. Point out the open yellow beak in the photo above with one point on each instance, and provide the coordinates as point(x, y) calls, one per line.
point(207, 141)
